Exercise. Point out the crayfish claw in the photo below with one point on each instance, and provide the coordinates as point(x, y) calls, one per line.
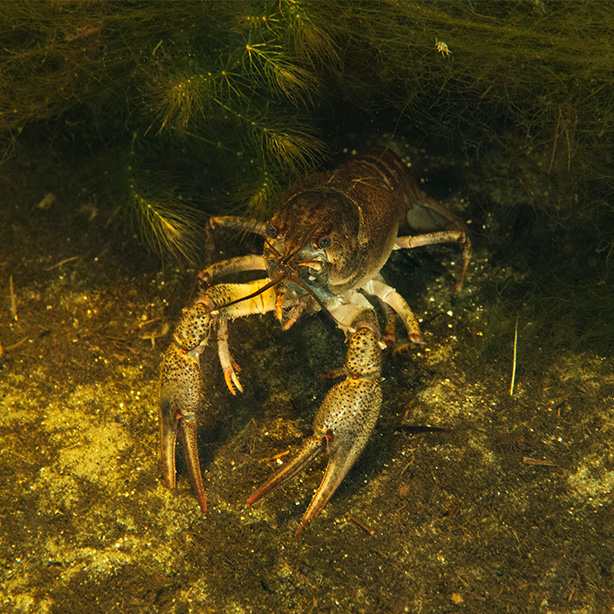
point(181, 394)
point(339, 463)
point(232, 381)
point(169, 427)
point(190, 448)
point(228, 363)
point(342, 425)
point(182, 390)
point(311, 449)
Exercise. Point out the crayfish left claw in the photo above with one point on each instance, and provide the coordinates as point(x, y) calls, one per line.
point(181, 394)
point(342, 425)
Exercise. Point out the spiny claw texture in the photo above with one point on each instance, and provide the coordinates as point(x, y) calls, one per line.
point(182, 394)
point(181, 397)
point(194, 327)
point(182, 389)
point(342, 425)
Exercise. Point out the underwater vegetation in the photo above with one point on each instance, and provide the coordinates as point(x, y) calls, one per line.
point(224, 86)
point(200, 107)
point(250, 90)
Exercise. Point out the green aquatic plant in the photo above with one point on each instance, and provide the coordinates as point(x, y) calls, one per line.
point(532, 78)
point(166, 223)
point(226, 84)
point(257, 92)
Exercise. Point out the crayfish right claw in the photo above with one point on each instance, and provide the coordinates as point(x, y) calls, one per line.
point(342, 425)
point(181, 383)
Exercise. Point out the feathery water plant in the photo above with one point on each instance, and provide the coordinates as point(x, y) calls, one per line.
point(241, 88)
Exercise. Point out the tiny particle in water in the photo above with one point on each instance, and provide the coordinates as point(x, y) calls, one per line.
point(47, 201)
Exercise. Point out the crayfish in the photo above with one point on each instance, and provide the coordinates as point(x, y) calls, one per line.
point(325, 244)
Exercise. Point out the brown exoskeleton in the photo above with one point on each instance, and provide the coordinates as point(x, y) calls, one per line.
point(328, 238)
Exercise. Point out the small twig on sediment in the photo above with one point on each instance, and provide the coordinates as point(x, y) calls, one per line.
point(4, 350)
point(514, 359)
point(13, 299)
point(360, 523)
point(59, 264)
point(529, 460)
point(276, 457)
point(14, 346)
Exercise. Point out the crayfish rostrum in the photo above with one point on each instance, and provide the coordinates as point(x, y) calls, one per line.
point(327, 240)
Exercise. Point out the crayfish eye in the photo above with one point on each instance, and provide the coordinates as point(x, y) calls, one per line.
point(324, 242)
point(270, 231)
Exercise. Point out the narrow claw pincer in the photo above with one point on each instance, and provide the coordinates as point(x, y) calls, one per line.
point(182, 394)
point(342, 425)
